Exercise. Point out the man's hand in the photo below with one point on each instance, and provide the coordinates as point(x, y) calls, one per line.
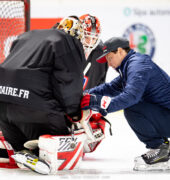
point(96, 103)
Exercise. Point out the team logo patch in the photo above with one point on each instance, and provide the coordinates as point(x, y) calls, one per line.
point(141, 39)
point(105, 102)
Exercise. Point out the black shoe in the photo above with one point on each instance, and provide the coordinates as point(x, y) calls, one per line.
point(161, 154)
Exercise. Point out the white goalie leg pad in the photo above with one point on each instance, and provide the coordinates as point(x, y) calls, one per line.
point(59, 152)
point(140, 165)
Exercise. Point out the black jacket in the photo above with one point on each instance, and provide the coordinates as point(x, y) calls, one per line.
point(97, 72)
point(44, 71)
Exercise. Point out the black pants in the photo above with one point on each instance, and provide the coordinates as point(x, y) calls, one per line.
point(20, 124)
point(150, 122)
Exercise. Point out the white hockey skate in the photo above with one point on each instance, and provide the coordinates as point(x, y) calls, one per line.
point(32, 162)
point(155, 159)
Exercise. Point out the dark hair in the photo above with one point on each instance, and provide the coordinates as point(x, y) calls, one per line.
point(126, 49)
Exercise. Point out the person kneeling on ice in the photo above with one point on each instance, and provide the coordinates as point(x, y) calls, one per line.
point(143, 90)
point(40, 85)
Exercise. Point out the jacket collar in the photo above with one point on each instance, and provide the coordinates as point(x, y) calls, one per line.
point(125, 59)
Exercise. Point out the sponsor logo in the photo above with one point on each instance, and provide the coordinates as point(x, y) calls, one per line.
point(143, 12)
point(105, 102)
point(104, 48)
point(141, 39)
point(64, 144)
point(11, 91)
point(127, 11)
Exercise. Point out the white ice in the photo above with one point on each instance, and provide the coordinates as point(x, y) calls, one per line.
point(113, 160)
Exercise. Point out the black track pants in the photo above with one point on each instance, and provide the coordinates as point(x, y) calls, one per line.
point(19, 124)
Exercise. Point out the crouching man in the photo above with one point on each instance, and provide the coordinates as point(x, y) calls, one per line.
point(142, 89)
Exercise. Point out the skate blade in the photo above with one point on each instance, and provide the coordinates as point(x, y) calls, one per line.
point(35, 165)
point(162, 166)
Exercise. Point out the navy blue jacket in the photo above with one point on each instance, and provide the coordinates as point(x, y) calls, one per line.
point(140, 79)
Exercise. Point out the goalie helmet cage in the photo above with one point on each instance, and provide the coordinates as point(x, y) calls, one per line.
point(14, 20)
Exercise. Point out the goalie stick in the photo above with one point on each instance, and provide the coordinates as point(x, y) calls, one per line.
point(87, 68)
point(86, 115)
point(85, 77)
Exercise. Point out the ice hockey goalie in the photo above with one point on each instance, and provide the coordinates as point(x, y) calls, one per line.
point(58, 152)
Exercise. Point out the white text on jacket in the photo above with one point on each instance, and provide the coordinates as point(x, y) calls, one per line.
point(10, 91)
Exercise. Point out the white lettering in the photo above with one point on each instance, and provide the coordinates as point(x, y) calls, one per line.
point(21, 92)
point(26, 94)
point(0, 89)
point(15, 91)
point(3, 89)
point(10, 91)
point(6, 91)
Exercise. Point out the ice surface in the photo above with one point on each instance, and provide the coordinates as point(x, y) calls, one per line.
point(113, 160)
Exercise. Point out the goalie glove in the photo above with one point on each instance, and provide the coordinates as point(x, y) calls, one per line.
point(96, 103)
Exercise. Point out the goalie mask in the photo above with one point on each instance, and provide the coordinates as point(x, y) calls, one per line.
point(73, 26)
point(91, 26)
